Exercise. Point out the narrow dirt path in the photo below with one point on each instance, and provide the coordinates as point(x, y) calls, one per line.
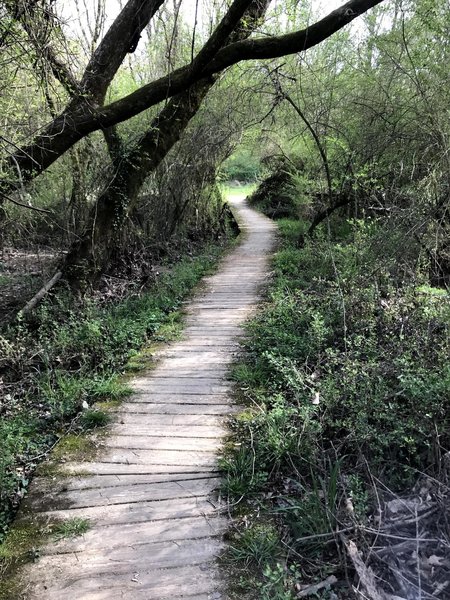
point(156, 524)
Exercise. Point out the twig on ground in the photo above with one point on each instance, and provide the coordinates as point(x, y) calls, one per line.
point(41, 293)
point(313, 589)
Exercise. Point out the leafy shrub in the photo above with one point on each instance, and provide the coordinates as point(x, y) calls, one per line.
point(64, 356)
point(276, 196)
point(347, 364)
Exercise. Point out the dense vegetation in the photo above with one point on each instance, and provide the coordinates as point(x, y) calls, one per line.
point(347, 383)
point(70, 355)
point(346, 373)
point(109, 180)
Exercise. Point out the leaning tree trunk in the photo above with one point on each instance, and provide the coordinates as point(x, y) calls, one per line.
point(88, 257)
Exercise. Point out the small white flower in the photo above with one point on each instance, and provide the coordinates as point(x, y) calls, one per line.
point(316, 398)
point(85, 405)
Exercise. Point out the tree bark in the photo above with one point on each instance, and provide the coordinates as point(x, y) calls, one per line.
point(86, 96)
point(88, 257)
point(80, 119)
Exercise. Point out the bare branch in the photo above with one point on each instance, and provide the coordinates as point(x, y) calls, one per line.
point(9, 199)
point(78, 121)
point(27, 15)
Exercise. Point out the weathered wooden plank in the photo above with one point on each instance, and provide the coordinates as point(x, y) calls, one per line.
point(124, 494)
point(177, 408)
point(163, 443)
point(212, 349)
point(160, 457)
point(138, 512)
point(162, 420)
point(47, 485)
point(203, 356)
point(146, 584)
point(179, 360)
point(174, 383)
point(149, 428)
point(190, 372)
point(119, 559)
point(152, 396)
point(135, 534)
point(107, 468)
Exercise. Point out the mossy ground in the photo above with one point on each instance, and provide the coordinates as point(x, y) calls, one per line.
point(22, 546)
point(76, 448)
point(101, 347)
point(345, 378)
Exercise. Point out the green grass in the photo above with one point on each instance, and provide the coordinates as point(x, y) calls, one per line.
point(6, 279)
point(70, 528)
point(346, 377)
point(256, 545)
point(67, 355)
point(93, 418)
point(20, 547)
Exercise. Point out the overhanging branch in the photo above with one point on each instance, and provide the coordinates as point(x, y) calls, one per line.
point(73, 125)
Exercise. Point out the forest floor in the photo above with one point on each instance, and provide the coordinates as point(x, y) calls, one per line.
point(22, 273)
point(132, 512)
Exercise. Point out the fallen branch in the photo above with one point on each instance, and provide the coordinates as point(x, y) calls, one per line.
point(41, 293)
point(328, 534)
point(365, 574)
point(313, 589)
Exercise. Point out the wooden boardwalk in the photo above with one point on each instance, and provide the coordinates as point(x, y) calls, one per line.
point(156, 525)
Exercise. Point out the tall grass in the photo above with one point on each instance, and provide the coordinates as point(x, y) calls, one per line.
point(346, 379)
point(67, 355)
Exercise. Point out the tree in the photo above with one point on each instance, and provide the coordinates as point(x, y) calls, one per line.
point(81, 117)
point(187, 86)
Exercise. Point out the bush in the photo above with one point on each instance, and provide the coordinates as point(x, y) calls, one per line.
point(347, 374)
point(64, 356)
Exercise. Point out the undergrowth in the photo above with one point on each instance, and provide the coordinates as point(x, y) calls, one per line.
point(347, 385)
point(67, 357)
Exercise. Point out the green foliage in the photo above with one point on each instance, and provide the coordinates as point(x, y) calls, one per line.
point(278, 582)
point(310, 513)
point(240, 475)
point(92, 418)
point(347, 373)
point(277, 196)
point(22, 542)
point(70, 528)
point(256, 545)
point(243, 165)
point(292, 230)
point(68, 355)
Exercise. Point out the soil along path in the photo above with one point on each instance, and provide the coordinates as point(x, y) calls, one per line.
point(155, 522)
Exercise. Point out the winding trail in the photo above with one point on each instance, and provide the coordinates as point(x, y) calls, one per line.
point(156, 521)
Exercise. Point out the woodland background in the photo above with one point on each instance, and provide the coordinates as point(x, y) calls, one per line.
point(346, 375)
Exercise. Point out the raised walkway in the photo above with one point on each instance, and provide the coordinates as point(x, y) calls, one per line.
point(156, 523)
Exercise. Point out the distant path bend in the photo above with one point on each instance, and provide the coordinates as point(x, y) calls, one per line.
point(156, 527)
